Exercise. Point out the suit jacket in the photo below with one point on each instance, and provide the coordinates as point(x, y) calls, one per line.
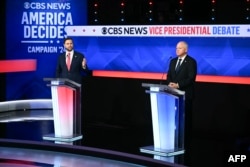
point(76, 71)
point(185, 76)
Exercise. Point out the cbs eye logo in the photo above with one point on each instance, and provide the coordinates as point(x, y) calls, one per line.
point(104, 30)
point(26, 5)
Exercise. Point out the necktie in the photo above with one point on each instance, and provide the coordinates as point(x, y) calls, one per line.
point(68, 61)
point(178, 65)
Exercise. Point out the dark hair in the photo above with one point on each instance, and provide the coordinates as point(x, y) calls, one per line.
point(67, 38)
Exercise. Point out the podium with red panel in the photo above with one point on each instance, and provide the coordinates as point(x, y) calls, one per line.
point(167, 109)
point(66, 102)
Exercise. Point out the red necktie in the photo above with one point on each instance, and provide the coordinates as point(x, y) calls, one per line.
point(68, 61)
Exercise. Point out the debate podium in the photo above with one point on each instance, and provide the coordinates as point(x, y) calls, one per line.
point(167, 110)
point(66, 103)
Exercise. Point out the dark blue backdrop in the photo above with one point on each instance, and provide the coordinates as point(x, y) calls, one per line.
point(35, 30)
point(215, 56)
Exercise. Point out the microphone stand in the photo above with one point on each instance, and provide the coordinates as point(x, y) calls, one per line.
point(167, 65)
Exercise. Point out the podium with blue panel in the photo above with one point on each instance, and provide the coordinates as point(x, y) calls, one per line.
point(167, 109)
point(66, 103)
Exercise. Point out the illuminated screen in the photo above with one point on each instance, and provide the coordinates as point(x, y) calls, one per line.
point(35, 31)
point(215, 56)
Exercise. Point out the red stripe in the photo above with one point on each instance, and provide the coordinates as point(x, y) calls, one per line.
point(17, 65)
point(160, 76)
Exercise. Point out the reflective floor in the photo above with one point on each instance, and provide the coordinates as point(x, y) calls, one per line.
point(34, 154)
point(10, 157)
point(208, 148)
point(119, 146)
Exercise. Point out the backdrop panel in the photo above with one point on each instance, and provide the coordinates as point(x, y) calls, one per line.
point(35, 30)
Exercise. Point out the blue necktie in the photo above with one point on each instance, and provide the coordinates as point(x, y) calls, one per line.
point(178, 65)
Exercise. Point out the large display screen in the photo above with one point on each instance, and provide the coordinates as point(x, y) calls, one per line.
point(215, 56)
point(35, 31)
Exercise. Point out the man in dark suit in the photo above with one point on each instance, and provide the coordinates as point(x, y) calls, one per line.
point(71, 64)
point(181, 75)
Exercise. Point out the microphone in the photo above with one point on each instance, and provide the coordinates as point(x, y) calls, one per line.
point(166, 67)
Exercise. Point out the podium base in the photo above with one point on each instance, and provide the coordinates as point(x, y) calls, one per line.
point(52, 137)
point(162, 152)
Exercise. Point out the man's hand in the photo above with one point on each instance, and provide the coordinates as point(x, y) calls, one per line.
point(173, 85)
point(84, 63)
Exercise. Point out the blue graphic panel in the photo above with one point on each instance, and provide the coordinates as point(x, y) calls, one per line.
point(35, 30)
point(215, 56)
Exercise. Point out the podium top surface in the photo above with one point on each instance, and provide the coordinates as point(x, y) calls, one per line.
point(164, 88)
point(63, 81)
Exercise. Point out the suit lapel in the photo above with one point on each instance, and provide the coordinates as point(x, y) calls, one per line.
point(182, 64)
point(63, 59)
point(74, 58)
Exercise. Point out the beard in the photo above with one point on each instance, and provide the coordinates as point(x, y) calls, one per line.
point(69, 49)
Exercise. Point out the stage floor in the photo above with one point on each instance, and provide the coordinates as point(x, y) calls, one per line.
point(208, 148)
point(18, 157)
